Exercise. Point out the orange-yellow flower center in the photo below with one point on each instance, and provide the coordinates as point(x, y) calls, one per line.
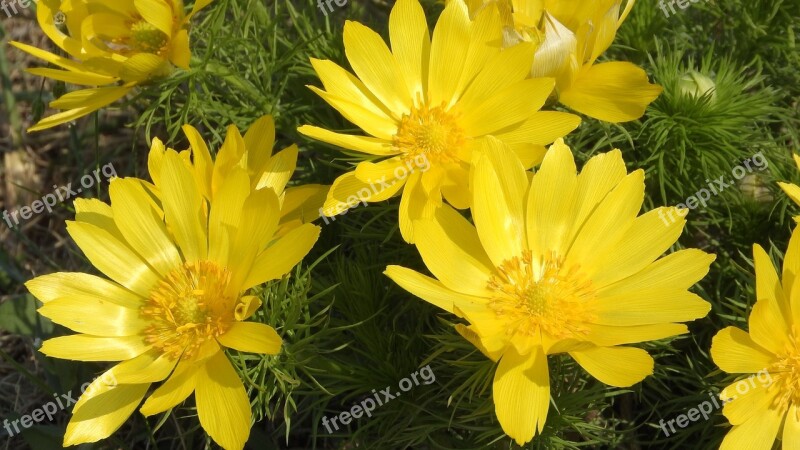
point(785, 374)
point(188, 308)
point(430, 132)
point(534, 297)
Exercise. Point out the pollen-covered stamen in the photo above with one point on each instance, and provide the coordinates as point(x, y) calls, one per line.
point(430, 132)
point(541, 296)
point(188, 308)
point(784, 375)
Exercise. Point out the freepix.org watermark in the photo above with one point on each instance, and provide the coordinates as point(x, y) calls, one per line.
point(59, 195)
point(326, 6)
point(420, 163)
point(715, 187)
point(50, 409)
point(705, 408)
point(10, 6)
point(379, 398)
point(682, 4)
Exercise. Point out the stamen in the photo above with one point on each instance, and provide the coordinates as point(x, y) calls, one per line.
point(188, 308)
point(542, 297)
point(430, 132)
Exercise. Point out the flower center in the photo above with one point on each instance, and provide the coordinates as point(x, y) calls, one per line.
point(188, 308)
point(785, 374)
point(146, 38)
point(430, 132)
point(535, 297)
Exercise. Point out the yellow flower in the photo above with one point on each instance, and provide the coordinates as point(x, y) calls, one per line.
point(252, 153)
point(570, 36)
point(557, 264)
point(179, 266)
point(766, 405)
point(792, 190)
point(426, 103)
point(116, 45)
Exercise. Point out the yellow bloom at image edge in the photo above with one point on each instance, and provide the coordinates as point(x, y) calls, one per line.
point(558, 263)
point(179, 263)
point(115, 46)
point(766, 410)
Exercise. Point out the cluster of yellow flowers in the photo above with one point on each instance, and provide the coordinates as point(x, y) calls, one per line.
point(552, 262)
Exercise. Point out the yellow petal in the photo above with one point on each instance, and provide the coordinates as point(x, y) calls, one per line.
point(649, 237)
point(252, 337)
point(91, 99)
point(180, 54)
point(449, 45)
point(499, 190)
point(792, 190)
point(450, 247)
point(222, 403)
point(748, 399)
point(608, 336)
point(142, 226)
point(509, 106)
point(415, 204)
point(768, 285)
point(411, 42)
point(348, 191)
point(278, 170)
point(484, 46)
point(376, 67)
point(790, 275)
point(279, 258)
point(98, 317)
point(259, 220)
point(791, 429)
point(541, 128)
point(201, 157)
point(226, 214)
point(608, 224)
point(113, 258)
point(615, 366)
point(87, 79)
point(150, 367)
point(549, 215)
point(491, 347)
point(507, 68)
point(143, 67)
point(734, 351)
point(259, 139)
point(47, 288)
point(65, 63)
point(343, 84)
point(433, 291)
point(378, 125)
point(363, 144)
point(599, 176)
point(612, 92)
point(303, 203)
point(231, 155)
point(767, 327)
point(175, 390)
point(678, 270)
point(522, 393)
point(157, 13)
point(648, 307)
point(83, 347)
point(103, 413)
point(183, 208)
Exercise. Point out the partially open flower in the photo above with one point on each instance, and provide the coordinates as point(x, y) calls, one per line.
point(113, 45)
